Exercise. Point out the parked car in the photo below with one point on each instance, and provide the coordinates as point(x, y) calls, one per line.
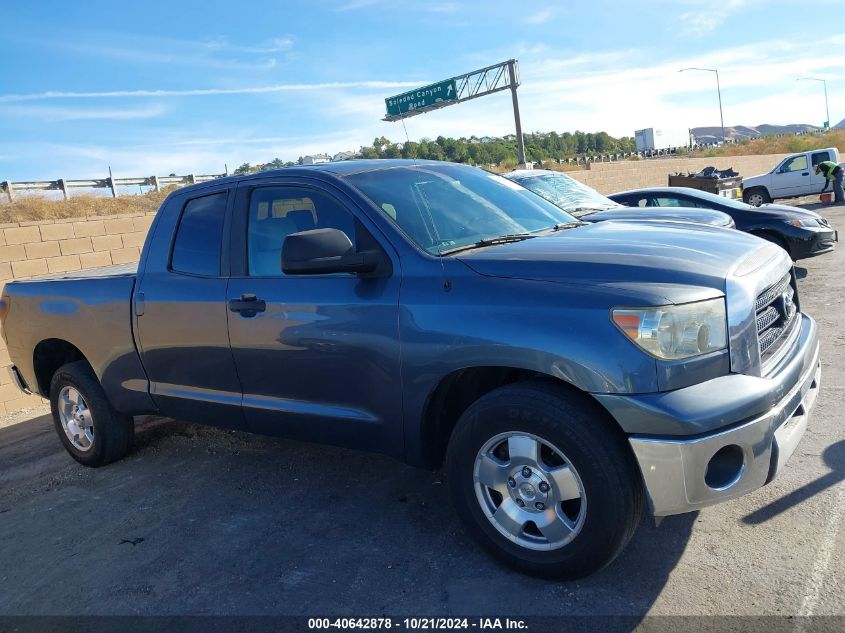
point(794, 176)
point(565, 373)
point(588, 205)
point(802, 233)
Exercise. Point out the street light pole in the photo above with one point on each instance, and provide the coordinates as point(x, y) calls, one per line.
point(719, 92)
point(824, 83)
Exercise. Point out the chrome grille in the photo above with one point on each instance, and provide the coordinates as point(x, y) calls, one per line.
point(775, 313)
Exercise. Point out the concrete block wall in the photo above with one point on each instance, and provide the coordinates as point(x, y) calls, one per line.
point(632, 174)
point(29, 249)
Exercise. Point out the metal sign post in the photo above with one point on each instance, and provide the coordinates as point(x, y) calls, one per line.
point(477, 83)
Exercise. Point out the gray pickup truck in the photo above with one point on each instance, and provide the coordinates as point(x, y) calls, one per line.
point(567, 376)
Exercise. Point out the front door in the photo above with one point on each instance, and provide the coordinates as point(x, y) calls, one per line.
point(317, 355)
point(792, 178)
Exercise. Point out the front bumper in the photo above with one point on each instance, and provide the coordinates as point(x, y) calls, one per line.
point(688, 473)
point(809, 243)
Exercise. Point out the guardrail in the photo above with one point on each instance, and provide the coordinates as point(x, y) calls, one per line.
point(156, 182)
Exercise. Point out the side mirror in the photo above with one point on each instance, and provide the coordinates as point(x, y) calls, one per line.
point(325, 251)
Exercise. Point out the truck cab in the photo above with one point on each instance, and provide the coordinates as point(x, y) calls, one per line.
point(794, 176)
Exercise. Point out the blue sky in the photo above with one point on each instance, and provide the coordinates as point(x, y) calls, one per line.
point(162, 87)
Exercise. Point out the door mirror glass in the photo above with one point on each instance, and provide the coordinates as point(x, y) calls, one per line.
point(324, 251)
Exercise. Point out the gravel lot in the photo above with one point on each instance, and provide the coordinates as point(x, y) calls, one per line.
point(205, 521)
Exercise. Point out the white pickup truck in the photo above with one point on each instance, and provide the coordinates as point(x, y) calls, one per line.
point(794, 176)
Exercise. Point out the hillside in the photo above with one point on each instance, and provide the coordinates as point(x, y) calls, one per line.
point(781, 144)
point(713, 134)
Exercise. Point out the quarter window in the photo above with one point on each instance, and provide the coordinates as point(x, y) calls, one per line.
point(276, 212)
point(196, 249)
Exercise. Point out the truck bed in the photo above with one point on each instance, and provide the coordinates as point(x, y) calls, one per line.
point(90, 310)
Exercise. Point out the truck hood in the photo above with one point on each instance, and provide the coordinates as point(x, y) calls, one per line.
point(663, 257)
point(758, 180)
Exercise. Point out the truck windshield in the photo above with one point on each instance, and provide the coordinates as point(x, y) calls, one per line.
point(444, 207)
point(565, 192)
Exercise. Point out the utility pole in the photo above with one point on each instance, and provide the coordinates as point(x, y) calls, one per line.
point(520, 141)
point(719, 91)
point(826, 109)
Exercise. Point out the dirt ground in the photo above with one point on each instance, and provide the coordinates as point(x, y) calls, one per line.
point(204, 521)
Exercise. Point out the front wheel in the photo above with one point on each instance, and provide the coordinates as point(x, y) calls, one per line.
point(544, 481)
point(756, 196)
point(89, 428)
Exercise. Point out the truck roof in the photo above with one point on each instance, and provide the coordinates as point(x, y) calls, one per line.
point(340, 168)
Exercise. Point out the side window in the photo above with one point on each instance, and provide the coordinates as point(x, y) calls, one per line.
point(276, 212)
point(820, 157)
point(798, 163)
point(693, 203)
point(196, 249)
point(665, 201)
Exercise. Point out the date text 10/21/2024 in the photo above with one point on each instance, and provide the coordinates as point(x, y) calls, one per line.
point(417, 624)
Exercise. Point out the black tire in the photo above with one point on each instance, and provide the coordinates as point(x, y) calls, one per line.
point(113, 432)
point(750, 194)
point(593, 445)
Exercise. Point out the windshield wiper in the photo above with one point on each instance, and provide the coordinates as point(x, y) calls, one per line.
point(489, 241)
point(597, 207)
point(566, 225)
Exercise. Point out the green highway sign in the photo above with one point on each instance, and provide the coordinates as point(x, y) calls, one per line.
point(422, 97)
point(827, 125)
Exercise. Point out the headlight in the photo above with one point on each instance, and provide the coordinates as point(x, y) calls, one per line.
point(681, 331)
point(808, 223)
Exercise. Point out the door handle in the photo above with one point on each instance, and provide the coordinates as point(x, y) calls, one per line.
point(247, 305)
point(806, 173)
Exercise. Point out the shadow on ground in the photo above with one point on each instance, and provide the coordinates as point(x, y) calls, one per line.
point(206, 521)
point(834, 458)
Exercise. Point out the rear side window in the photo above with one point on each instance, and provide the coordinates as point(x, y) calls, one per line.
point(820, 157)
point(199, 236)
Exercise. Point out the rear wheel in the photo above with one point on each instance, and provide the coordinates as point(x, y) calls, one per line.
point(544, 481)
point(89, 428)
point(756, 196)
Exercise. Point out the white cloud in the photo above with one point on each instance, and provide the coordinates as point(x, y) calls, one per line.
point(49, 113)
point(709, 15)
point(539, 17)
point(200, 92)
point(216, 53)
point(275, 45)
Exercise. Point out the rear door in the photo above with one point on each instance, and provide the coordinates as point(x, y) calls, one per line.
point(792, 178)
point(181, 315)
point(318, 357)
point(817, 180)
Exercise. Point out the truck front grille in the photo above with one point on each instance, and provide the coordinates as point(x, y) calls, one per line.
point(776, 310)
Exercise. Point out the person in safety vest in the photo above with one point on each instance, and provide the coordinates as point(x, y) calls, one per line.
point(833, 173)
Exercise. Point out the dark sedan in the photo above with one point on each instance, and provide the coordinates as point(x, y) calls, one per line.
point(588, 205)
point(800, 232)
